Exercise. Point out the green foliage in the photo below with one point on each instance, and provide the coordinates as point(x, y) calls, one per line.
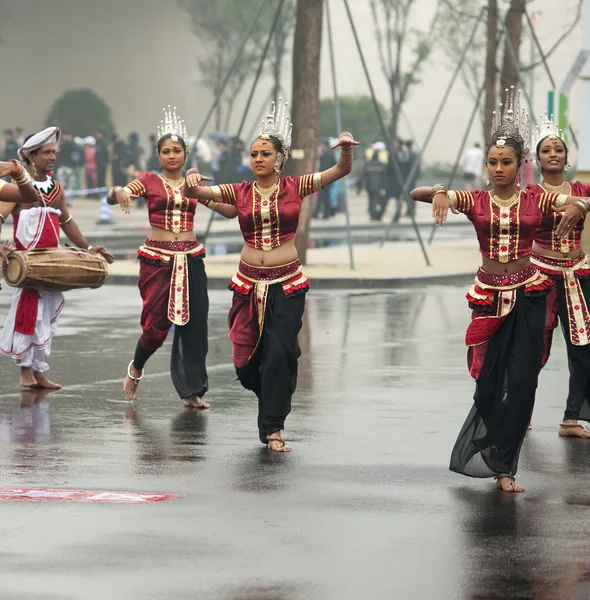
point(358, 116)
point(82, 112)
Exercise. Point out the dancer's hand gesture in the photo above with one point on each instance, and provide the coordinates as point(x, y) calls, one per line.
point(571, 214)
point(345, 141)
point(441, 203)
point(124, 199)
point(193, 178)
point(8, 168)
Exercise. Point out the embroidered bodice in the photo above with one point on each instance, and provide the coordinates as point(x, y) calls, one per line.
point(546, 237)
point(505, 229)
point(47, 191)
point(167, 207)
point(268, 218)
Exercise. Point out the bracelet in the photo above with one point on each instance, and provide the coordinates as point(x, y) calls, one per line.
point(66, 221)
point(438, 189)
point(89, 248)
point(581, 206)
point(211, 204)
point(345, 133)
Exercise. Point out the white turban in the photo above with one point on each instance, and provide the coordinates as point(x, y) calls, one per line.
point(51, 135)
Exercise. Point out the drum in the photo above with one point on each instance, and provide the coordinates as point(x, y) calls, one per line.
point(55, 269)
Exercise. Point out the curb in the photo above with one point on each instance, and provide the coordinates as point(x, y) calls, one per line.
point(338, 283)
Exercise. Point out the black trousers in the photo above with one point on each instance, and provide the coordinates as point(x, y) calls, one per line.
point(490, 439)
point(272, 372)
point(188, 368)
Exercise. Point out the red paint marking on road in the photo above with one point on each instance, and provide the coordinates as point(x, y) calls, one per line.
point(49, 495)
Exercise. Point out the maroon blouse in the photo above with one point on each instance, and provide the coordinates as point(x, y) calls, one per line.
point(268, 222)
point(505, 231)
point(167, 207)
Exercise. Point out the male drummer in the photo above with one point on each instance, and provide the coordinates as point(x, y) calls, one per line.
point(32, 320)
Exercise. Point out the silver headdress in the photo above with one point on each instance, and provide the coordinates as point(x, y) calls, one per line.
point(547, 129)
point(511, 121)
point(172, 124)
point(278, 124)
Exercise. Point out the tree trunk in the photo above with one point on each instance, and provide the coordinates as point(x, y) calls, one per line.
point(306, 104)
point(509, 75)
point(491, 72)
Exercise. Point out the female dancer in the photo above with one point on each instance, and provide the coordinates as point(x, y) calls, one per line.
point(563, 260)
point(505, 337)
point(172, 279)
point(269, 288)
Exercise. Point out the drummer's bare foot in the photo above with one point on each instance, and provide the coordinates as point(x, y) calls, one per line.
point(44, 383)
point(195, 402)
point(506, 483)
point(27, 378)
point(131, 381)
point(572, 428)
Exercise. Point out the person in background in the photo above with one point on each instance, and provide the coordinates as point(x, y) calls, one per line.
point(118, 160)
point(134, 151)
point(473, 162)
point(323, 209)
point(90, 167)
point(373, 178)
point(102, 159)
point(153, 165)
point(19, 134)
point(10, 146)
point(68, 158)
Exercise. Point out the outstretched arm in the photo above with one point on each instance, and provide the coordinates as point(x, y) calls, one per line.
point(23, 192)
point(422, 194)
point(211, 197)
point(343, 167)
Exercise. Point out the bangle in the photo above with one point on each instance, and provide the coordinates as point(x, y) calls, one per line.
point(66, 221)
point(437, 189)
point(89, 248)
point(345, 133)
point(581, 206)
point(211, 204)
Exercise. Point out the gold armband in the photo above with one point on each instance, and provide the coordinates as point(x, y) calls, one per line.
point(452, 197)
point(217, 196)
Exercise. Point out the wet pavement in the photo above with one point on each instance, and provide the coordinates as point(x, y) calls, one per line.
point(363, 507)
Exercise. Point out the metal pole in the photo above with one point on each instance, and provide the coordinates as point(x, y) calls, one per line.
point(232, 67)
point(339, 128)
point(394, 161)
point(460, 153)
point(261, 65)
point(450, 85)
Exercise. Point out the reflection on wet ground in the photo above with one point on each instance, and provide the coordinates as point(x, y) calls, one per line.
point(364, 505)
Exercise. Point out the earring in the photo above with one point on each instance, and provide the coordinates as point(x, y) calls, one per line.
point(278, 165)
point(488, 183)
point(567, 166)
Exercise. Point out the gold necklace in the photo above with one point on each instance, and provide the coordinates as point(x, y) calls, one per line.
point(562, 188)
point(266, 193)
point(175, 183)
point(508, 202)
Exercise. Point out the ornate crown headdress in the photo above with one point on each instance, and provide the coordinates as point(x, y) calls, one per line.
point(278, 124)
point(547, 129)
point(511, 121)
point(172, 124)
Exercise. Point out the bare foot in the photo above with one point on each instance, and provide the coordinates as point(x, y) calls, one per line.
point(507, 484)
point(573, 429)
point(529, 427)
point(27, 378)
point(276, 444)
point(131, 381)
point(44, 383)
point(195, 402)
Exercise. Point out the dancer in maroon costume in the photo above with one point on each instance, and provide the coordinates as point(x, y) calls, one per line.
point(505, 337)
point(172, 279)
point(269, 287)
point(564, 261)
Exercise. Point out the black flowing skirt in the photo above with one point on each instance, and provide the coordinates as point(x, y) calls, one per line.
point(489, 442)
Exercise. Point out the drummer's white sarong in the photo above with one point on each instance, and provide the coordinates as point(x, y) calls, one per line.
point(32, 319)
